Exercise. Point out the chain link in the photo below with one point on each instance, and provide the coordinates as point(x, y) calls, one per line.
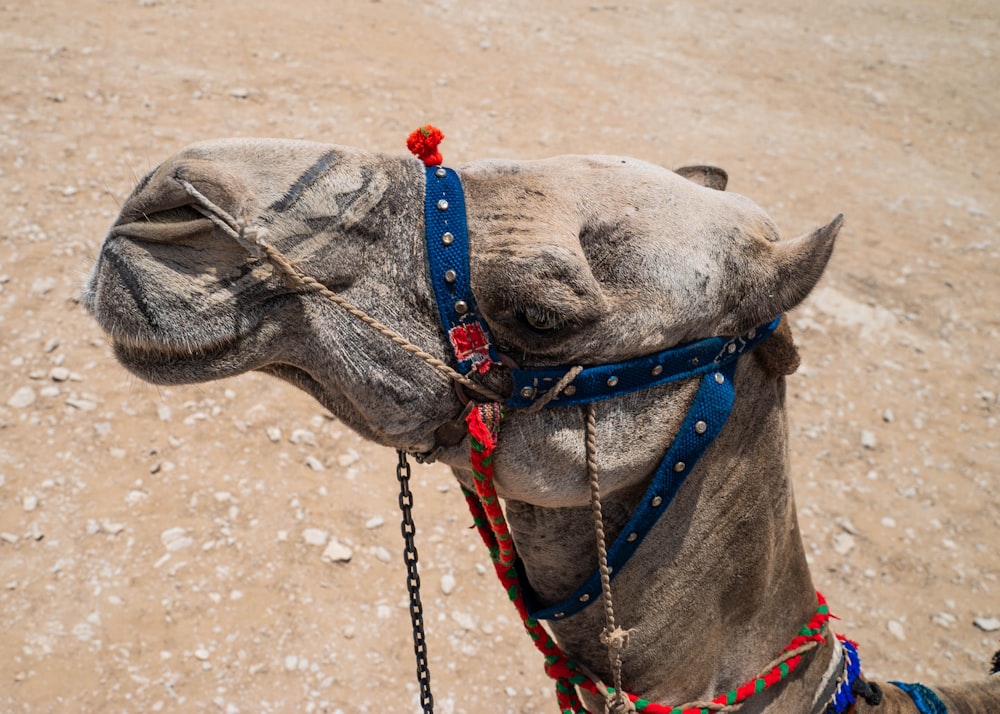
point(408, 530)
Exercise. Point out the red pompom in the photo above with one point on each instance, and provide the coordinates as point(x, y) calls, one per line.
point(424, 143)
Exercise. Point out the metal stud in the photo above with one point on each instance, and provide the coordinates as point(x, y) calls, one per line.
point(751, 334)
point(570, 390)
point(731, 348)
point(694, 361)
point(719, 379)
point(559, 615)
point(527, 392)
point(612, 381)
point(585, 598)
point(680, 466)
point(448, 238)
point(450, 276)
point(657, 370)
point(440, 172)
point(656, 501)
point(631, 537)
point(442, 205)
point(700, 427)
point(461, 307)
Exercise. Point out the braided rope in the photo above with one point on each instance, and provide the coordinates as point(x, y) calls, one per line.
point(252, 240)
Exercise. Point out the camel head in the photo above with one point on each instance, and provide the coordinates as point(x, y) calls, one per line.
point(573, 260)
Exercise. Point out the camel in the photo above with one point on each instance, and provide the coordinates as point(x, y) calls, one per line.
point(574, 260)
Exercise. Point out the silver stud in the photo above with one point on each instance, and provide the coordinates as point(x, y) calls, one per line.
point(751, 334)
point(440, 172)
point(631, 537)
point(657, 370)
point(527, 392)
point(448, 238)
point(656, 501)
point(719, 379)
point(570, 390)
point(700, 427)
point(612, 381)
point(442, 205)
point(461, 307)
point(450, 276)
point(680, 466)
point(559, 615)
point(731, 348)
point(585, 598)
point(694, 361)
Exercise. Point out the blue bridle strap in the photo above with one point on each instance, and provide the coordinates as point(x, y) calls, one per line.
point(447, 238)
point(713, 360)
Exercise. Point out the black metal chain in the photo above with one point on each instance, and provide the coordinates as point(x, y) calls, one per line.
point(413, 582)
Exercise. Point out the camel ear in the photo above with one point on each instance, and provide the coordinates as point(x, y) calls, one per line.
point(786, 273)
point(707, 176)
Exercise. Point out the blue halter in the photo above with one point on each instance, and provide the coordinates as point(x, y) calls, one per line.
point(713, 360)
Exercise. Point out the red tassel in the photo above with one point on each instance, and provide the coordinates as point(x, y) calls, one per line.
point(424, 143)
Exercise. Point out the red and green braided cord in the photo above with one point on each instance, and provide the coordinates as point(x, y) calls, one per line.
point(487, 514)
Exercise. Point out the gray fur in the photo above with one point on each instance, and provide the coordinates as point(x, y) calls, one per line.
point(619, 258)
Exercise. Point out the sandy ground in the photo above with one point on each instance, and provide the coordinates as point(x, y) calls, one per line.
point(153, 542)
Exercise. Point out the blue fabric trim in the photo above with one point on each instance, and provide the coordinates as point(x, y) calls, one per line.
point(844, 697)
point(612, 380)
point(444, 213)
point(924, 697)
point(711, 407)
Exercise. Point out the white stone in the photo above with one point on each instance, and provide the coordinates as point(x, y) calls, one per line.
point(383, 554)
point(29, 503)
point(843, 543)
point(463, 620)
point(59, 374)
point(374, 522)
point(113, 528)
point(22, 398)
point(337, 552)
point(291, 663)
point(895, 628)
point(447, 583)
point(315, 536)
point(175, 539)
point(868, 439)
point(314, 463)
point(888, 521)
point(348, 457)
point(987, 624)
point(84, 405)
point(201, 654)
point(303, 436)
point(273, 434)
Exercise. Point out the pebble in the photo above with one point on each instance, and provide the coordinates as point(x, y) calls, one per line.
point(383, 554)
point(888, 521)
point(84, 405)
point(175, 539)
point(868, 439)
point(987, 624)
point(22, 398)
point(291, 663)
point(315, 536)
point(314, 463)
point(201, 653)
point(463, 620)
point(303, 436)
point(895, 628)
point(29, 503)
point(843, 543)
point(374, 522)
point(337, 552)
point(348, 457)
point(273, 434)
point(239, 93)
point(59, 374)
point(447, 583)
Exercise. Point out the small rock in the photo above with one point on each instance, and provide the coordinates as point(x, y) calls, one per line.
point(895, 628)
point(22, 398)
point(888, 521)
point(944, 619)
point(987, 624)
point(303, 436)
point(447, 583)
point(314, 536)
point(84, 405)
point(383, 554)
point(201, 653)
point(374, 522)
point(9, 537)
point(239, 93)
point(174, 539)
point(336, 552)
point(348, 457)
point(59, 374)
point(463, 620)
point(111, 528)
point(29, 503)
point(888, 416)
point(868, 439)
point(164, 412)
point(273, 434)
point(291, 663)
point(314, 463)
point(843, 543)
point(41, 286)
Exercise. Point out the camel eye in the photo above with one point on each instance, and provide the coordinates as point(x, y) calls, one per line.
point(541, 322)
